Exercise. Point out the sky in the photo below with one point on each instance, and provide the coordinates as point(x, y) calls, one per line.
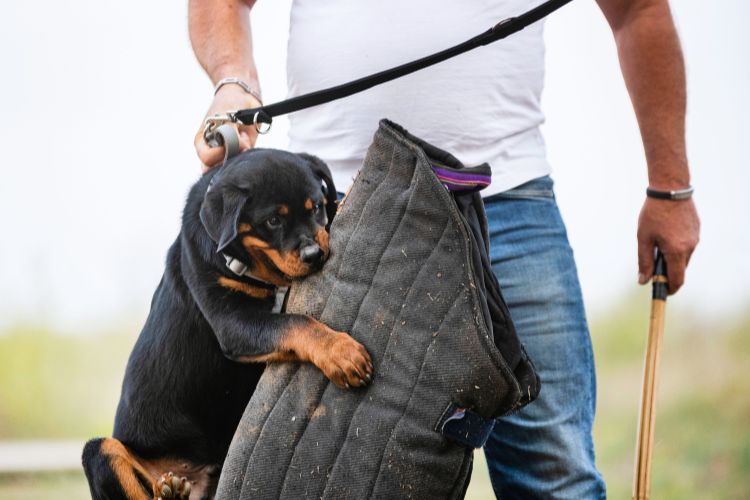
point(100, 101)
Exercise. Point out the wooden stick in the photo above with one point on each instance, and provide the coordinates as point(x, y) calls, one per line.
point(647, 412)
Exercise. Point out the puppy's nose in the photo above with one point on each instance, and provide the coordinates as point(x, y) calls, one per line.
point(310, 254)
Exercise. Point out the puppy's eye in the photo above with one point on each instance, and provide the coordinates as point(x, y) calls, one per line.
point(317, 207)
point(273, 223)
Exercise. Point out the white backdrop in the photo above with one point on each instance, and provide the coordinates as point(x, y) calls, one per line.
point(100, 101)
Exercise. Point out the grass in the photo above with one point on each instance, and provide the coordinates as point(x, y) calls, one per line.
point(57, 386)
point(47, 486)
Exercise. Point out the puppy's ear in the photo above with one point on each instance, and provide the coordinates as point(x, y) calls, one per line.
point(322, 172)
point(220, 213)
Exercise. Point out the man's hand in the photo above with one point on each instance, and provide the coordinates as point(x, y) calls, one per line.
point(673, 226)
point(229, 98)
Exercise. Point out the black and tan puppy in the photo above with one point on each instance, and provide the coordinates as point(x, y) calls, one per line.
point(249, 228)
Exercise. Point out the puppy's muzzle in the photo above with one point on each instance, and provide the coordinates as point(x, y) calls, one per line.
point(311, 254)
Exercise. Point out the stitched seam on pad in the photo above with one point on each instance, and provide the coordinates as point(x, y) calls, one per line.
point(359, 223)
point(411, 395)
point(389, 344)
point(260, 434)
point(356, 228)
point(303, 431)
point(450, 220)
point(336, 280)
point(482, 330)
point(369, 290)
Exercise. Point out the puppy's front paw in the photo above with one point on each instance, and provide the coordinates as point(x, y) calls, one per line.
point(345, 362)
point(173, 487)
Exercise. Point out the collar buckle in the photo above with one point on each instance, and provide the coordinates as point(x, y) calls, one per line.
point(237, 267)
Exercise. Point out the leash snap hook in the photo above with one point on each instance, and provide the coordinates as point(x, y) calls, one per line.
point(211, 123)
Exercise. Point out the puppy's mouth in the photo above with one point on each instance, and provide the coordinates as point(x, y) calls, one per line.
point(291, 265)
point(281, 268)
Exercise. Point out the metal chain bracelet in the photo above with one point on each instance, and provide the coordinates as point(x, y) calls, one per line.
point(236, 81)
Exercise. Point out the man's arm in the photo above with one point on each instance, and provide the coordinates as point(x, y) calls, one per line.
point(222, 42)
point(654, 72)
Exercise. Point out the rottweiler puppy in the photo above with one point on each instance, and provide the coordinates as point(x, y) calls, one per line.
point(249, 229)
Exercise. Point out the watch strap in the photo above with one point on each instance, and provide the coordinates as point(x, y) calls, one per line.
point(676, 195)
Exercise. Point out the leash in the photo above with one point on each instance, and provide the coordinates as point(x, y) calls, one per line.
point(262, 116)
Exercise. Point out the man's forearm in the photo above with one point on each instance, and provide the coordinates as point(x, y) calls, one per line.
point(654, 71)
point(222, 42)
point(653, 68)
point(221, 38)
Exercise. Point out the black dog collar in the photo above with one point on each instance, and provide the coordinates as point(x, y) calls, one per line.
point(241, 269)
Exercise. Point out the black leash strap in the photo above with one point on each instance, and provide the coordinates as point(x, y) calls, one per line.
point(265, 114)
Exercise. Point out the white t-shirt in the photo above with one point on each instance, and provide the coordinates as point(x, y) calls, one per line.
point(482, 106)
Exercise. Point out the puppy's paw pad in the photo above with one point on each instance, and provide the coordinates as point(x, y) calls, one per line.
point(347, 362)
point(170, 486)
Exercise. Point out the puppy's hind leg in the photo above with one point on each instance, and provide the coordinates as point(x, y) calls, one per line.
point(113, 472)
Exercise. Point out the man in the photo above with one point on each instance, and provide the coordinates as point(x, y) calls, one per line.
point(483, 106)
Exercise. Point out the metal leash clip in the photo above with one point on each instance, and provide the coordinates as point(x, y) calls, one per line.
point(213, 122)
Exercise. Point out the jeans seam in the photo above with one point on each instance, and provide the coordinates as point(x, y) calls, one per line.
point(536, 194)
point(546, 193)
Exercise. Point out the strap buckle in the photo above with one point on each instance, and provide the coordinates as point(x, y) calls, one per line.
point(211, 123)
point(237, 267)
point(464, 426)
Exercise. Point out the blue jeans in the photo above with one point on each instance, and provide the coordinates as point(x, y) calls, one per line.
point(546, 449)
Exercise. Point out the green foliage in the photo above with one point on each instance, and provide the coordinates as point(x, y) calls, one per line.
point(59, 386)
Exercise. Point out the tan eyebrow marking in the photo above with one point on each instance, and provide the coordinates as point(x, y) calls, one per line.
point(308, 204)
point(283, 209)
point(244, 227)
point(253, 242)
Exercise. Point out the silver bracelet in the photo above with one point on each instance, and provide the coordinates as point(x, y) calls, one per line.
point(233, 79)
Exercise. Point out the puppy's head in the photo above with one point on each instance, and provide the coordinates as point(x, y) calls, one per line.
point(271, 206)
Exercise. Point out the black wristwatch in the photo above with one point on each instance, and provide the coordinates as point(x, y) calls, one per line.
point(677, 195)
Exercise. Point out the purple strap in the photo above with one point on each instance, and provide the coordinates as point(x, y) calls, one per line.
point(458, 180)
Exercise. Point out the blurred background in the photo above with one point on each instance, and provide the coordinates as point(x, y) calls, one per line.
point(100, 101)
